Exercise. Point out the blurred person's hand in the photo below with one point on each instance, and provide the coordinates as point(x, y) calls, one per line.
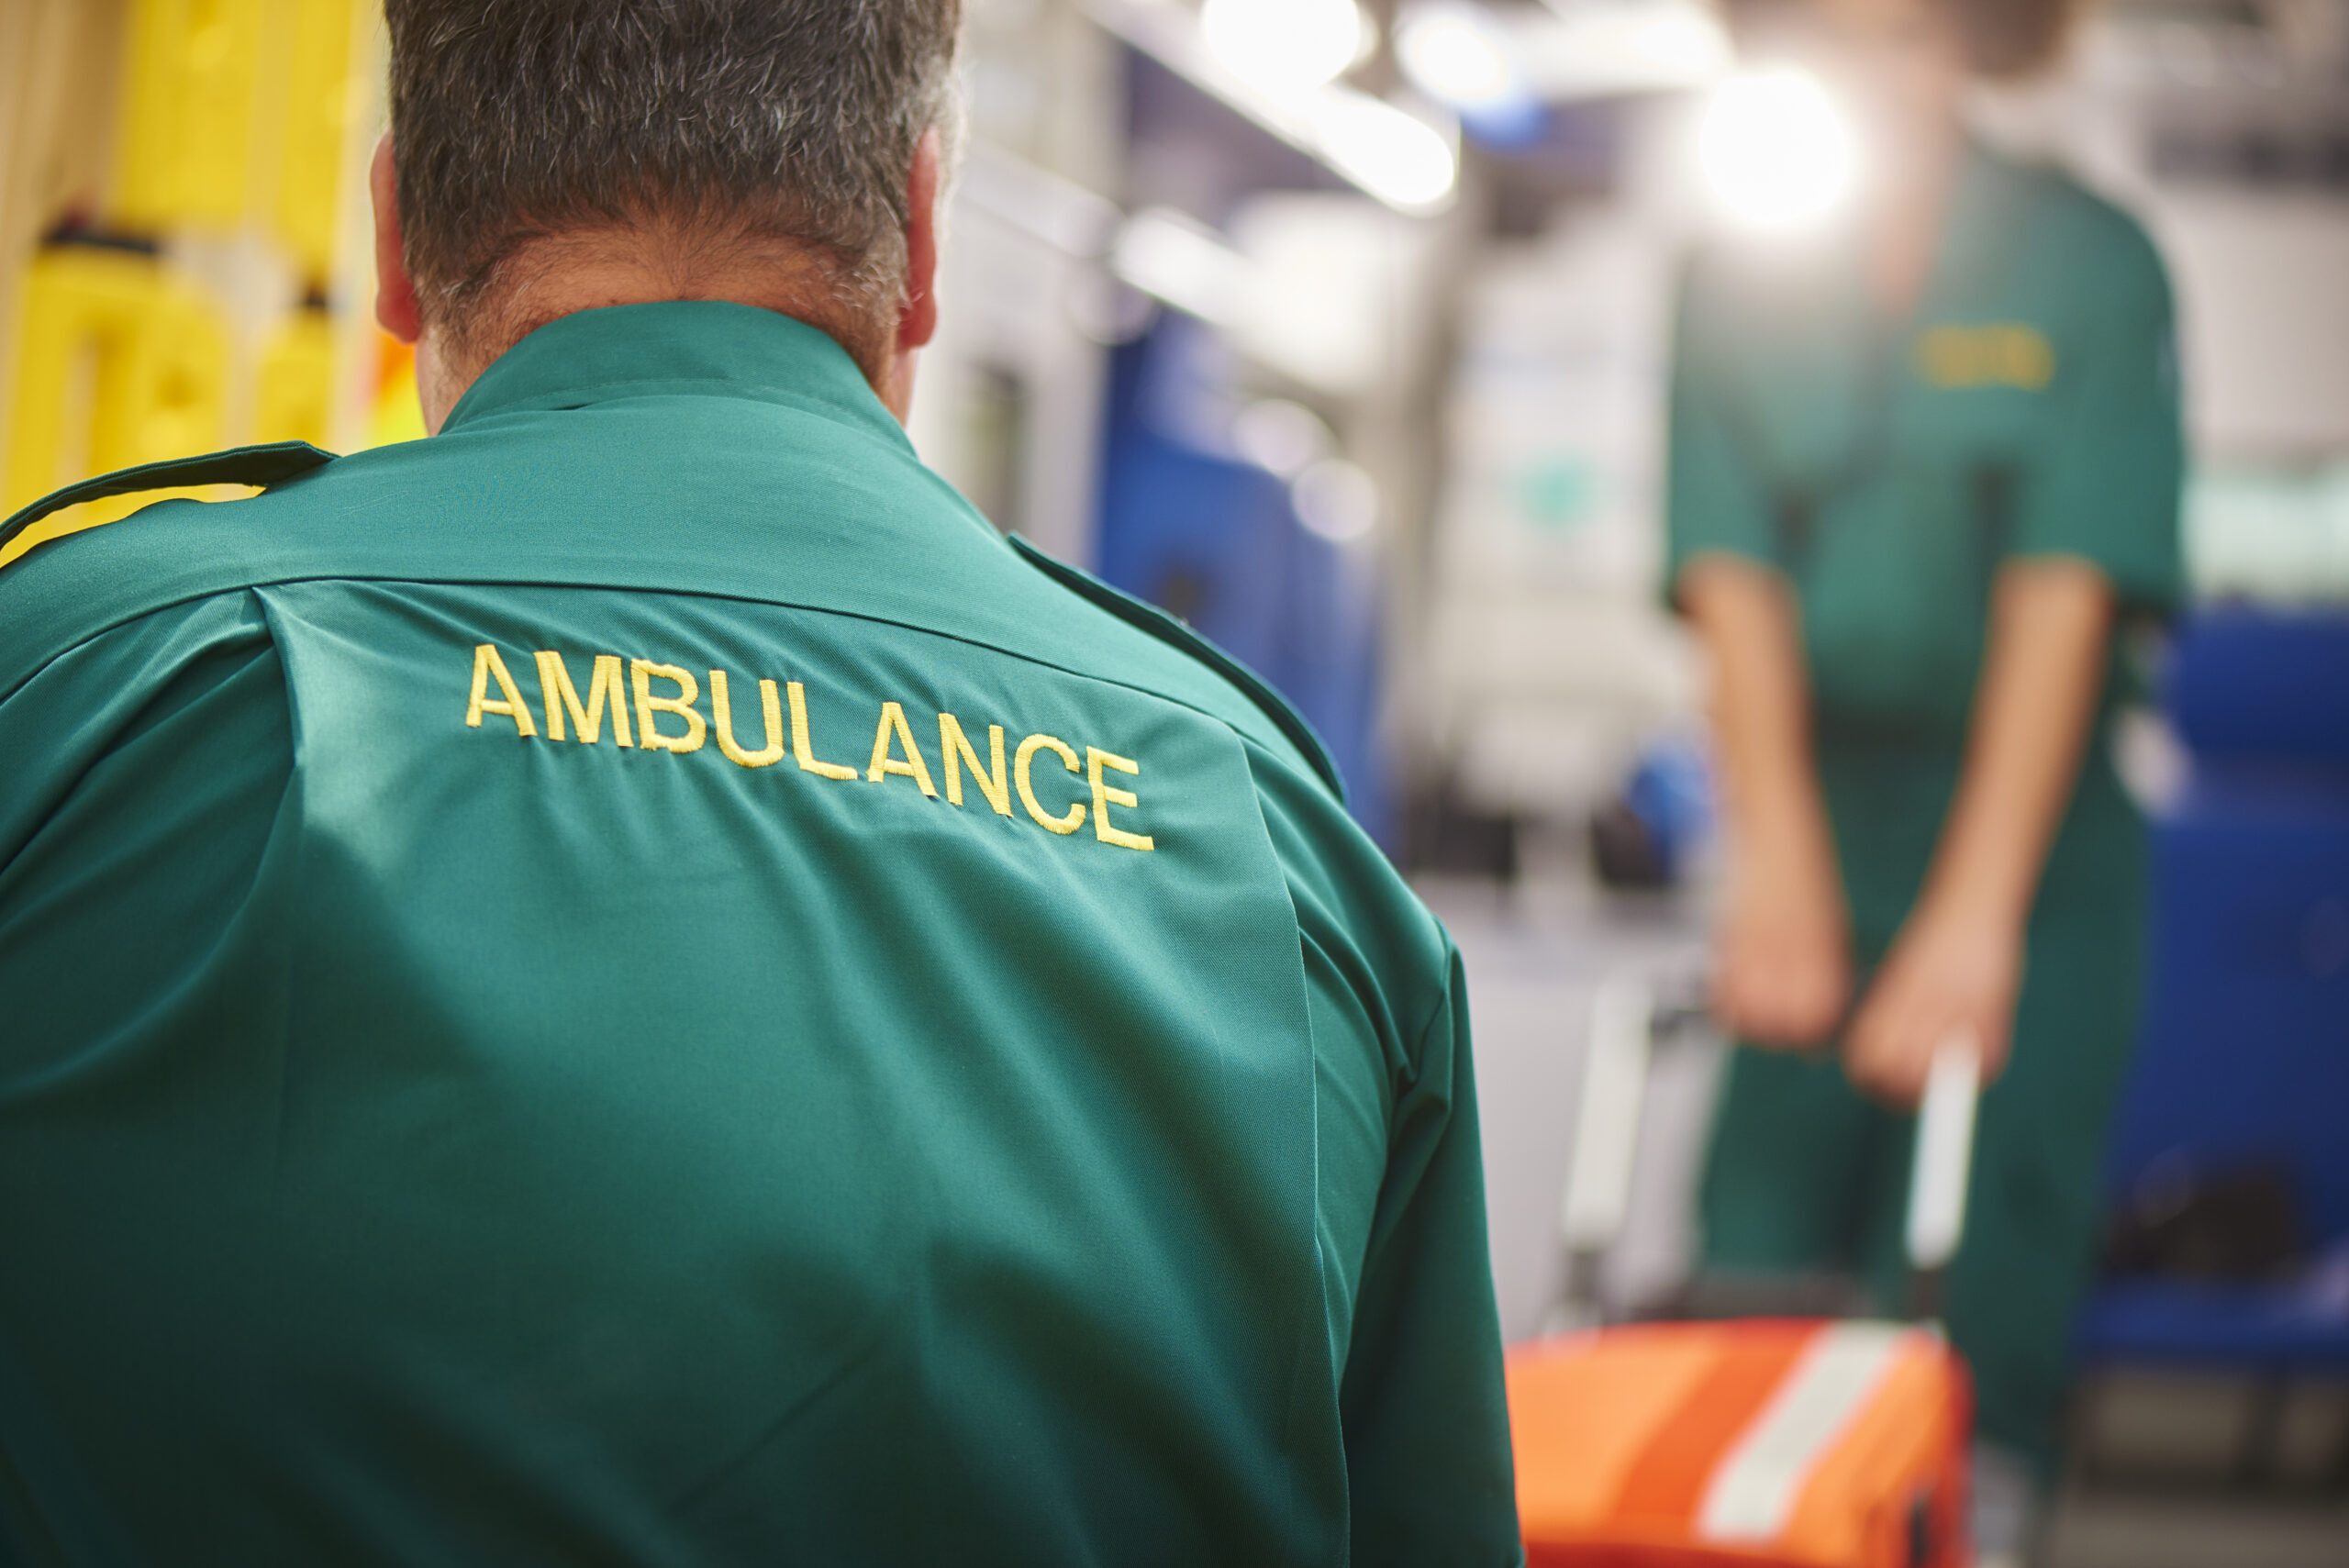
point(1785, 965)
point(1950, 972)
point(1957, 963)
point(1783, 973)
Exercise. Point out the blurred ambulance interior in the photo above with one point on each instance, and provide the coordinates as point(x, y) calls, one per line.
point(1342, 330)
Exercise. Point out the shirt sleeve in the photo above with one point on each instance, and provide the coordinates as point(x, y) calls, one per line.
point(1715, 501)
point(2105, 488)
point(1424, 1401)
point(158, 753)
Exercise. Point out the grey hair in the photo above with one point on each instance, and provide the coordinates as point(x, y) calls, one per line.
point(722, 122)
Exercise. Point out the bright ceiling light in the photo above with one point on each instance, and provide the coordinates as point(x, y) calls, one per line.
point(1396, 157)
point(1283, 436)
point(1163, 253)
point(1284, 43)
point(1681, 42)
point(1454, 53)
point(1336, 500)
point(1776, 150)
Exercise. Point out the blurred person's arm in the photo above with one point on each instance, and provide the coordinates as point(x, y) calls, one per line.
point(1957, 964)
point(1783, 972)
point(2094, 532)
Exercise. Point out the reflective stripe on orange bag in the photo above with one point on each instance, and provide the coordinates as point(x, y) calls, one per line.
point(1832, 1445)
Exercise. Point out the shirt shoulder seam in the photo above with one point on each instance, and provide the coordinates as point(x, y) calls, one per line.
point(1026, 658)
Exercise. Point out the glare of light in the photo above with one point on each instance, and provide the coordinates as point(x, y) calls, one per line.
point(1579, 50)
point(1336, 500)
point(1681, 42)
point(1163, 253)
point(1282, 436)
point(1776, 150)
point(1288, 43)
point(1396, 157)
point(1453, 52)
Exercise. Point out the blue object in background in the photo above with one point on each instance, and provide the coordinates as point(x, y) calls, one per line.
point(2246, 1053)
point(1215, 540)
point(1671, 791)
point(2244, 685)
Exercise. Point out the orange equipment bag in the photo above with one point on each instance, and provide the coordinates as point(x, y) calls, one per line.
point(1794, 1442)
point(1781, 1442)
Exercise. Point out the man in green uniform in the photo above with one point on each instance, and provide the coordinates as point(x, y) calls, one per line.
point(1922, 469)
point(630, 983)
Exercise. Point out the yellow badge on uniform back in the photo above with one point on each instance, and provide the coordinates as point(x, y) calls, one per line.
point(2005, 353)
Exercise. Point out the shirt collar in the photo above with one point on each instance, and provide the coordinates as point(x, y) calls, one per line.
point(1977, 224)
point(676, 348)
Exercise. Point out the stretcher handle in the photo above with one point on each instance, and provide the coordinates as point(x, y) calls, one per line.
point(1944, 1164)
point(1597, 1195)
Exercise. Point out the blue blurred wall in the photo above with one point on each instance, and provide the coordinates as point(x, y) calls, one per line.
point(1197, 530)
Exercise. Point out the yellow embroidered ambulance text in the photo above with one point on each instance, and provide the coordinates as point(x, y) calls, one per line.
point(664, 701)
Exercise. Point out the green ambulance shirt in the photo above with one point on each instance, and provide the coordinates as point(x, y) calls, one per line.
point(2030, 407)
point(631, 984)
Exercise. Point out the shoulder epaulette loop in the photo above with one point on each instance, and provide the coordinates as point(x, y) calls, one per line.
point(1149, 618)
point(260, 466)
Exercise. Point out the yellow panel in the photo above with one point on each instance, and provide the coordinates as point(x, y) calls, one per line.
point(297, 381)
point(321, 94)
point(173, 408)
point(397, 415)
point(187, 143)
point(146, 180)
point(116, 364)
point(224, 39)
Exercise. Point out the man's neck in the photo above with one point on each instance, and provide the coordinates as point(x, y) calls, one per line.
point(565, 274)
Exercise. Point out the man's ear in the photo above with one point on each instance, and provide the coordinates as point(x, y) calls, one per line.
point(396, 307)
point(917, 322)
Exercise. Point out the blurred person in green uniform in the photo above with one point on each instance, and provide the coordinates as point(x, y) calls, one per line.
point(630, 984)
point(1924, 466)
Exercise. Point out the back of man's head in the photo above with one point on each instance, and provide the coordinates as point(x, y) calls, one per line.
point(690, 134)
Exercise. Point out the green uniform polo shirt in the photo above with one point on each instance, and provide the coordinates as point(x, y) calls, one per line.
point(1888, 469)
point(630, 983)
point(2028, 407)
